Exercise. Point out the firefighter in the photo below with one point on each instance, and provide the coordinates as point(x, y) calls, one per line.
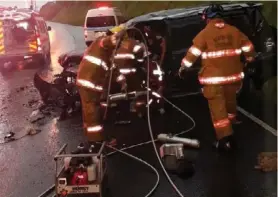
point(128, 60)
point(157, 44)
point(220, 46)
point(157, 47)
point(91, 78)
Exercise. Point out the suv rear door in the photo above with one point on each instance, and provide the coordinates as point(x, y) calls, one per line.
point(17, 35)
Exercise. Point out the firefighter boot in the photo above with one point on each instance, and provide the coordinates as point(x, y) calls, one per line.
point(226, 144)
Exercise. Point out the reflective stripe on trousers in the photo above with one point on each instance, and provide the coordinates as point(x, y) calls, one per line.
point(221, 80)
point(94, 129)
point(89, 84)
point(221, 123)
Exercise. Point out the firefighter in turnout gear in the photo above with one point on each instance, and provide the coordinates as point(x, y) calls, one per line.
point(220, 46)
point(91, 79)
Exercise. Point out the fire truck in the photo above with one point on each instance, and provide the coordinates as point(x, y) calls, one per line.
point(24, 38)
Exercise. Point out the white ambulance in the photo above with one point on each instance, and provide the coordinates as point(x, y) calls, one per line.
point(99, 20)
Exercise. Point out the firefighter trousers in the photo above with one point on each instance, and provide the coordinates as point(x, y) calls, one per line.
point(222, 106)
point(92, 121)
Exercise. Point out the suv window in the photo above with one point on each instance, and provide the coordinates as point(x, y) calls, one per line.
point(100, 21)
point(26, 25)
point(242, 22)
point(182, 36)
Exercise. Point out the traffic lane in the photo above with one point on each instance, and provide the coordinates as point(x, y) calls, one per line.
point(28, 164)
point(214, 175)
point(260, 108)
point(122, 170)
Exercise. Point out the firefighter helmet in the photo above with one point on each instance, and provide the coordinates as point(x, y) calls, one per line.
point(214, 10)
point(116, 29)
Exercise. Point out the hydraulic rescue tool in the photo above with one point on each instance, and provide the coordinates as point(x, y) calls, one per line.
point(185, 141)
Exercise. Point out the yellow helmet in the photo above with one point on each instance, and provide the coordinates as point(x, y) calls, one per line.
point(117, 29)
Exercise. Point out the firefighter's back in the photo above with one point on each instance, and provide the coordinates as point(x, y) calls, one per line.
point(223, 50)
point(94, 65)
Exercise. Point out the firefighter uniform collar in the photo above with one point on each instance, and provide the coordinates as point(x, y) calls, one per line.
point(216, 20)
point(218, 23)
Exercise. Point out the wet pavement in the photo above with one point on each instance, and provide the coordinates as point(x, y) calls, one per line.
point(27, 166)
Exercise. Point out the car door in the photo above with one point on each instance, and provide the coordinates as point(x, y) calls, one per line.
point(43, 34)
point(46, 35)
point(181, 33)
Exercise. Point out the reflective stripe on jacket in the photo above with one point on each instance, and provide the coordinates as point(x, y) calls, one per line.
point(129, 54)
point(94, 65)
point(219, 45)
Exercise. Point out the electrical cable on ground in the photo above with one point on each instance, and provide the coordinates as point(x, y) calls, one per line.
point(143, 162)
point(149, 120)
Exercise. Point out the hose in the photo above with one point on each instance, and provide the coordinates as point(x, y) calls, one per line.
point(148, 107)
point(143, 162)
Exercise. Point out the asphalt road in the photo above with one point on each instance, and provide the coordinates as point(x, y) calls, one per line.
point(27, 166)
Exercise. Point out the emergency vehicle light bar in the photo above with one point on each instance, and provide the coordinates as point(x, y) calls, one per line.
point(103, 8)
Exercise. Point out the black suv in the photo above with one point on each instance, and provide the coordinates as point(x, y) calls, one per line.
point(180, 26)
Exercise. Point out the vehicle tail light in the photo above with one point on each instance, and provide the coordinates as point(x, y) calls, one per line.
point(39, 44)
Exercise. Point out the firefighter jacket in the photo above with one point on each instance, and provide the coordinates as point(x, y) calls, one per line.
point(220, 46)
point(129, 56)
point(95, 64)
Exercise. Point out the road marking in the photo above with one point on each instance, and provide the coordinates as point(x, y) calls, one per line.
point(246, 113)
point(258, 121)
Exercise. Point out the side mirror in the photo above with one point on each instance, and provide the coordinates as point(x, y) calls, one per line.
point(48, 28)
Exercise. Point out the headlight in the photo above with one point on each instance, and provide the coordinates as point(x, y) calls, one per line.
point(269, 44)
